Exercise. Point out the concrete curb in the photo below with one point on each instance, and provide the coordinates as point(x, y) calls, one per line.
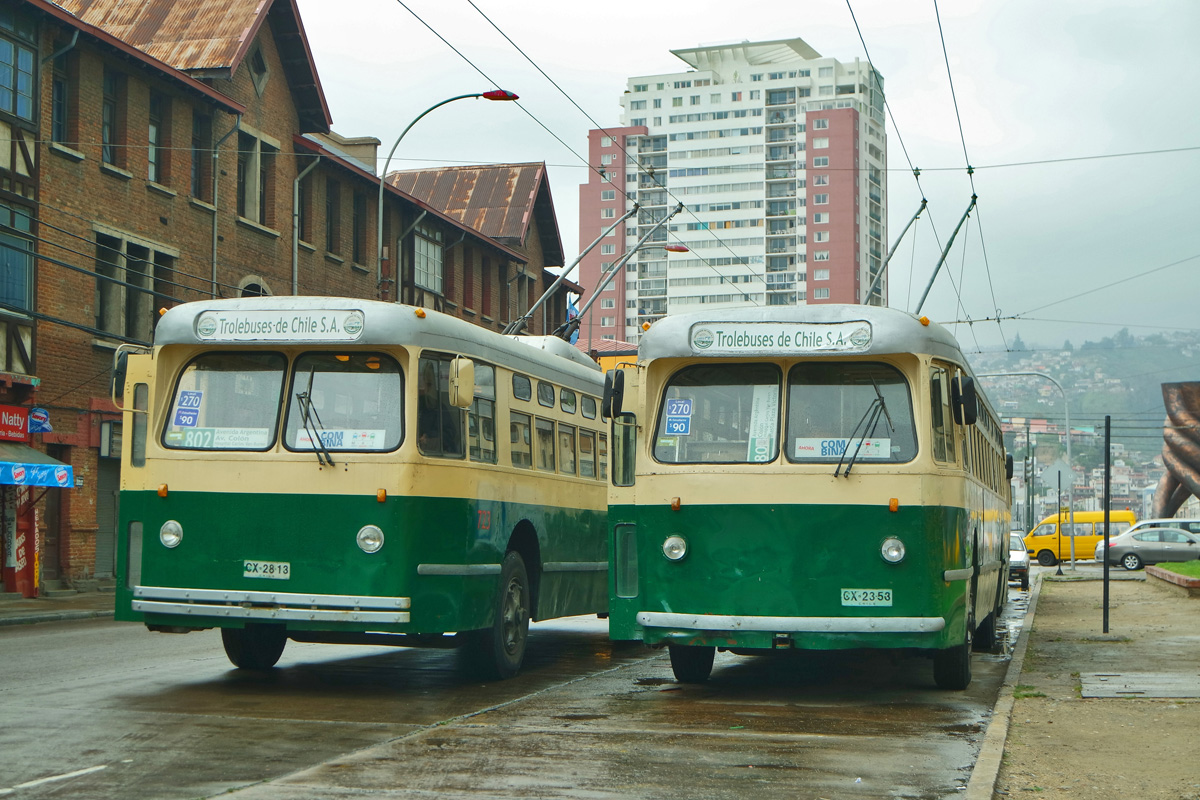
point(982, 785)
point(51, 616)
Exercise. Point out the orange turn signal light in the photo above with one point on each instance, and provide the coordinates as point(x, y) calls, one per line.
point(381, 495)
point(675, 503)
point(924, 321)
point(894, 504)
point(162, 490)
point(420, 312)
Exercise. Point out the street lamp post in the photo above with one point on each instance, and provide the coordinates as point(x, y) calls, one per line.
point(1067, 413)
point(495, 94)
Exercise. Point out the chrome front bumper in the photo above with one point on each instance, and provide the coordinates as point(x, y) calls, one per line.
point(270, 606)
point(718, 622)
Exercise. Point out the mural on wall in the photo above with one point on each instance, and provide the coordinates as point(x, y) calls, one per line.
point(1181, 448)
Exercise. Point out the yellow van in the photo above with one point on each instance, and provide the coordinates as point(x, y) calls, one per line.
point(1047, 544)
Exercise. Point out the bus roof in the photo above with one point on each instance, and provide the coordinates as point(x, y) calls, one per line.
point(827, 330)
point(302, 320)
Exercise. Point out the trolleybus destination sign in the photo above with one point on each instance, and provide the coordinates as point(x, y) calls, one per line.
point(278, 325)
point(780, 338)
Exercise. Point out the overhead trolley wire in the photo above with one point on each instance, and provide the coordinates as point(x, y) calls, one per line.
point(970, 170)
point(621, 146)
point(916, 173)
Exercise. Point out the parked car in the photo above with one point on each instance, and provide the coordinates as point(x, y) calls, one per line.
point(1136, 548)
point(1050, 543)
point(1190, 525)
point(1018, 564)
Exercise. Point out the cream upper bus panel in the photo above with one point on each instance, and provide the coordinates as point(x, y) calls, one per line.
point(891, 331)
point(306, 320)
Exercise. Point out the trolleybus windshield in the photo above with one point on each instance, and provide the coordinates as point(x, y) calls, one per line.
point(830, 404)
point(720, 414)
point(349, 401)
point(226, 401)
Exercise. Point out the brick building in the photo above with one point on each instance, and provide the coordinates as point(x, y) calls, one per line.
point(162, 152)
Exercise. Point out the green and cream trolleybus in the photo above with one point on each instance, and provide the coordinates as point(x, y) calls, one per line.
point(337, 470)
point(813, 477)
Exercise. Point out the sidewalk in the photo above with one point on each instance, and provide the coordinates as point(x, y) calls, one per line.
point(1104, 715)
point(62, 606)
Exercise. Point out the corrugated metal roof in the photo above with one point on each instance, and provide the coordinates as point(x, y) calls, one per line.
point(211, 37)
point(498, 200)
point(56, 11)
point(187, 34)
point(313, 145)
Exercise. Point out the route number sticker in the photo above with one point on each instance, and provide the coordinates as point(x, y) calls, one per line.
point(679, 417)
point(278, 570)
point(866, 597)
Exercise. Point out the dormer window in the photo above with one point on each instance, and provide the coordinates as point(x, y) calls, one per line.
point(258, 70)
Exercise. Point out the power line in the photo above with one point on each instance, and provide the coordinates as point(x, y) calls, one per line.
point(1114, 283)
point(556, 137)
point(916, 173)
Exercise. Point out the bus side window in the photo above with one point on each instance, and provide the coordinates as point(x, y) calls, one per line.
point(566, 449)
point(943, 421)
point(439, 424)
point(602, 455)
point(481, 417)
point(587, 453)
point(544, 431)
point(519, 435)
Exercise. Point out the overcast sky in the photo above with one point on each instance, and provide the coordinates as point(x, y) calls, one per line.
point(1036, 81)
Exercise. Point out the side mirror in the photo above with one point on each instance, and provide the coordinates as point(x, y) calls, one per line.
point(965, 401)
point(462, 382)
point(614, 393)
point(119, 370)
point(1008, 466)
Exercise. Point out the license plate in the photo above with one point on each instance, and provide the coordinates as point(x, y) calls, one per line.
point(866, 597)
point(279, 570)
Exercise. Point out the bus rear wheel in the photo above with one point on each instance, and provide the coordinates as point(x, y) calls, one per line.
point(691, 664)
point(255, 646)
point(497, 652)
point(952, 666)
point(1047, 559)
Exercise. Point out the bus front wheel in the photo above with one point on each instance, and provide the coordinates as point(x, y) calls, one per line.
point(952, 666)
point(497, 652)
point(255, 646)
point(691, 664)
point(1047, 559)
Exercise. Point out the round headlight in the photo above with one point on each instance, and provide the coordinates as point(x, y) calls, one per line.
point(370, 539)
point(171, 533)
point(675, 548)
point(892, 551)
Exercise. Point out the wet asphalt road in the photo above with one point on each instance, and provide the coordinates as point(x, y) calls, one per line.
point(106, 710)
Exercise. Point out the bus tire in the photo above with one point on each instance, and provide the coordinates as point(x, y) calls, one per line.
point(691, 664)
point(952, 666)
point(497, 652)
point(1047, 559)
point(256, 646)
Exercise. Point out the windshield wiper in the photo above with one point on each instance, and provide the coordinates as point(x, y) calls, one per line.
point(883, 405)
point(869, 418)
point(868, 423)
point(312, 423)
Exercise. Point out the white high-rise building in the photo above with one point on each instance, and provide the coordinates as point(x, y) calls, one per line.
point(779, 156)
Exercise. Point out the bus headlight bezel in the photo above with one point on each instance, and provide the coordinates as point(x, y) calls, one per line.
point(369, 538)
point(892, 550)
point(170, 534)
point(675, 547)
